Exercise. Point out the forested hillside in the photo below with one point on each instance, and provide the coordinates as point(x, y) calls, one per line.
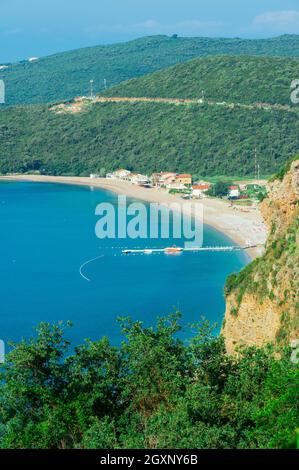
point(226, 78)
point(145, 137)
point(205, 139)
point(65, 75)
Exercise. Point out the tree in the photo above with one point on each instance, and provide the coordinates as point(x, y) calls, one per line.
point(219, 189)
point(152, 391)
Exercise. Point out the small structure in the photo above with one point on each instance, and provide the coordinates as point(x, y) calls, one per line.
point(243, 186)
point(184, 178)
point(139, 179)
point(32, 59)
point(175, 186)
point(233, 192)
point(163, 179)
point(200, 190)
point(122, 174)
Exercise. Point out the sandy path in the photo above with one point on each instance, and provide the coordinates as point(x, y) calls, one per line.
point(79, 104)
point(241, 227)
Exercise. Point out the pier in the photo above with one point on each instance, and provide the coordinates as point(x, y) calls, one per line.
point(176, 250)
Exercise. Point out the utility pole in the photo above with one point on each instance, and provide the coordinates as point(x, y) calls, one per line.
point(91, 89)
point(255, 164)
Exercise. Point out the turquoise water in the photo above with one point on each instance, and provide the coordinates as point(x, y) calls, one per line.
point(48, 231)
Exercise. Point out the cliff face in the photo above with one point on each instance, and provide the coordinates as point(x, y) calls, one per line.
point(262, 301)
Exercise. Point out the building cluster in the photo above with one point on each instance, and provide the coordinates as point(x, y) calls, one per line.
point(134, 178)
point(172, 182)
point(183, 183)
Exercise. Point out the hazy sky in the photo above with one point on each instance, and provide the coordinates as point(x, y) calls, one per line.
point(41, 27)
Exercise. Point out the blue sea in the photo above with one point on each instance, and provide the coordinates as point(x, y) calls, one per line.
point(48, 233)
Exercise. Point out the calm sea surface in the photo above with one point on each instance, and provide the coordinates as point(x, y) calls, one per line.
point(48, 232)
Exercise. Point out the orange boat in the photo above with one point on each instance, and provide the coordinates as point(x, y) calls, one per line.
point(173, 249)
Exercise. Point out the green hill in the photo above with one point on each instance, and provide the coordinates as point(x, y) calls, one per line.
point(146, 137)
point(232, 79)
point(62, 76)
point(206, 139)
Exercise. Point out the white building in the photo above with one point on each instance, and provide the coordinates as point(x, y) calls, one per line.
point(139, 179)
point(176, 186)
point(233, 191)
point(200, 190)
point(122, 175)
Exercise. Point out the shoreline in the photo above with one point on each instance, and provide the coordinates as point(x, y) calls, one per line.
point(239, 226)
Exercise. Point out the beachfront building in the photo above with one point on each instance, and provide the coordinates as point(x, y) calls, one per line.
point(184, 178)
point(121, 174)
point(233, 192)
point(174, 186)
point(200, 190)
point(163, 179)
point(140, 180)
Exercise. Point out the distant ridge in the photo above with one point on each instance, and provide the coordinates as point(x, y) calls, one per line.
point(234, 79)
point(65, 75)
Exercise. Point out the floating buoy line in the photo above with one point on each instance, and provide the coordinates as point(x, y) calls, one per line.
point(174, 250)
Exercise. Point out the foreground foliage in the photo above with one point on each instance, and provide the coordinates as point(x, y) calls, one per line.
point(153, 391)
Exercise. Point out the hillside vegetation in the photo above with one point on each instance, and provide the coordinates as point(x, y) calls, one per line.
point(233, 79)
point(204, 139)
point(262, 300)
point(154, 391)
point(146, 137)
point(65, 75)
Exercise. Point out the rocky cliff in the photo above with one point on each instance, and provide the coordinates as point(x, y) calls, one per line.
point(262, 300)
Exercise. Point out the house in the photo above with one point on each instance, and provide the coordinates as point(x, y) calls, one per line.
point(122, 175)
point(174, 186)
point(184, 178)
point(163, 178)
point(200, 190)
point(233, 192)
point(32, 59)
point(139, 179)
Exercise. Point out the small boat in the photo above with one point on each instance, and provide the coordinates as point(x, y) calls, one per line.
point(173, 249)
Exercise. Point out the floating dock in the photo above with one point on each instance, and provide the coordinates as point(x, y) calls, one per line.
point(176, 250)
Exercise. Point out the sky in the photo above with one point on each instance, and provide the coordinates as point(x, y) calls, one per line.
point(41, 27)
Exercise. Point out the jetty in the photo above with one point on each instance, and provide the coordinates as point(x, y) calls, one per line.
point(176, 250)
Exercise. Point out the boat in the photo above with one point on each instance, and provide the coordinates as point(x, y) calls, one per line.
point(173, 249)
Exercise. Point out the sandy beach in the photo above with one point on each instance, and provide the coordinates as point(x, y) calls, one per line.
point(242, 225)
